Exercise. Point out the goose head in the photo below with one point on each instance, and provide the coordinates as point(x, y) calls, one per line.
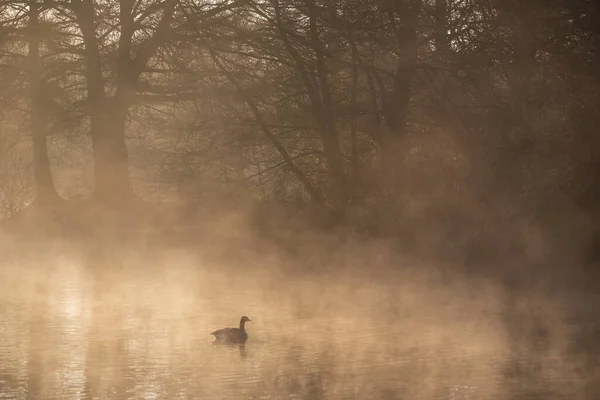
point(243, 322)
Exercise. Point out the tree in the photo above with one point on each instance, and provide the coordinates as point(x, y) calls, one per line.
point(24, 64)
point(46, 192)
point(108, 106)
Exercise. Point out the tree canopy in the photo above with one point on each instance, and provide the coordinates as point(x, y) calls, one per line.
point(443, 116)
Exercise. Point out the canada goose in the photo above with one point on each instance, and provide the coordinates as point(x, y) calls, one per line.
point(232, 335)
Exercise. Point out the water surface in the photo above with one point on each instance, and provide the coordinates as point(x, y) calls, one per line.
point(74, 331)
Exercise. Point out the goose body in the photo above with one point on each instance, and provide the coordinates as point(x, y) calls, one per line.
point(232, 335)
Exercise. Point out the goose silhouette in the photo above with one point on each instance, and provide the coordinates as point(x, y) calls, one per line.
point(232, 335)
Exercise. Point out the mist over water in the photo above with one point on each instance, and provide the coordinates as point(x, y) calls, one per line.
point(403, 196)
point(76, 328)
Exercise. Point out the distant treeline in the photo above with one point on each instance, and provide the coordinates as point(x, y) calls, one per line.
point(439, 121)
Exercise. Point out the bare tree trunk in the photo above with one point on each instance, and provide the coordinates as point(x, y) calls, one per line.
point(377, 119)
point(403, 18)
point(111, 158)
point(441, 77)
point(319, 94)
point(326, 117)
point(353, 115)
point(520, 20)
point(107, 118)
point(108, 115)
point(44, 184)
point(442, 42)
point(396, 107)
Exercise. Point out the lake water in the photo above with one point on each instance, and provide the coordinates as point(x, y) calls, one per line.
point(131, 331)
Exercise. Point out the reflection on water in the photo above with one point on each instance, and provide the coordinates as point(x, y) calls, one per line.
point(69, 333)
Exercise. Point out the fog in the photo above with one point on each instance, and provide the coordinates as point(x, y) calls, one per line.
point(401, 195)
point(335, 317)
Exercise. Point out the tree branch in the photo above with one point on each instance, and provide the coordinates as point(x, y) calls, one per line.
point(315, 195)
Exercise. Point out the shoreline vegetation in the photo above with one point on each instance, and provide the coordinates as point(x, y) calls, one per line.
point(459, 133)
point(299, 240)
